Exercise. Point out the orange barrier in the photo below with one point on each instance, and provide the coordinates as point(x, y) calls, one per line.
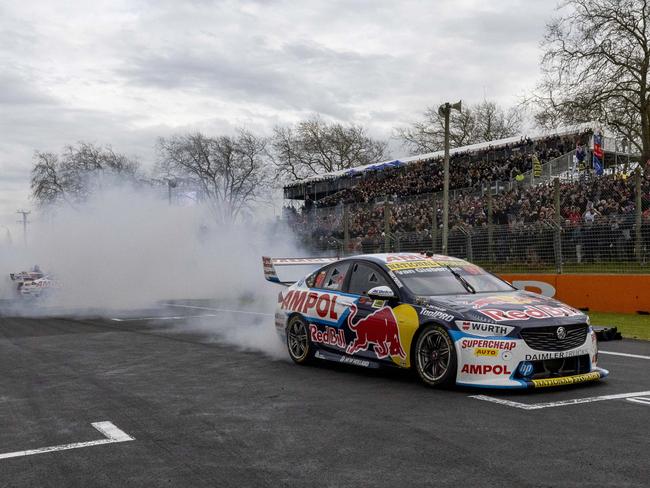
point(599, 293)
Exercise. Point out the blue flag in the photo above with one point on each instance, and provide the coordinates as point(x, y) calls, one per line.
point(598, 165)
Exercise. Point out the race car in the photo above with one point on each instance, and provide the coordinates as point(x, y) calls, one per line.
point(33, 283)
point(447, 319)
point(23, 276)
point(38, 287)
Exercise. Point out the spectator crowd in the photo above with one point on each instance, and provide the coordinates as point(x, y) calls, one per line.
point(597, 213)
point(468, 170)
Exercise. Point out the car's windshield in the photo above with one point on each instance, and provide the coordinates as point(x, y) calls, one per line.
point(432, 278)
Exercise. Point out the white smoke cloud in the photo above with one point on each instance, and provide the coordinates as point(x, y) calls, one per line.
point(128, 250)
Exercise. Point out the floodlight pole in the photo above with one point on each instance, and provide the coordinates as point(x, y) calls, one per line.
point(171, 183)
point(24, 213)
point(445, 110)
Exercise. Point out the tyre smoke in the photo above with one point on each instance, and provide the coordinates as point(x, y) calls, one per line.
point(128, 252)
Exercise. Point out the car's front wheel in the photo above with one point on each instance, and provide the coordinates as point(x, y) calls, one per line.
point(300, 347)
point(435, 357)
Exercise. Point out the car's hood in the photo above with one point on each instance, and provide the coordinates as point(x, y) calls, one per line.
point(518, 308)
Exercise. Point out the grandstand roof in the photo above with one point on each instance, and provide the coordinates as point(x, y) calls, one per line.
point(574, 129)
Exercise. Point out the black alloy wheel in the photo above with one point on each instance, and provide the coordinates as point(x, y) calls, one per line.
point(435, 357)
point(300, 347)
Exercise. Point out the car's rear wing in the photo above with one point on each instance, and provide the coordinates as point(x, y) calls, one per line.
point(270, 264)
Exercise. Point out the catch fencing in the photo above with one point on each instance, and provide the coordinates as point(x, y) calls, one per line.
point(590, 224)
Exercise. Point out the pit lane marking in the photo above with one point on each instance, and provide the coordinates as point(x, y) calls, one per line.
point(625, 354)
point(575, 401)
point(218, 309)
point(108, 429)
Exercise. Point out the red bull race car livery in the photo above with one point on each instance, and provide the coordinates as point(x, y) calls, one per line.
point(449, 320)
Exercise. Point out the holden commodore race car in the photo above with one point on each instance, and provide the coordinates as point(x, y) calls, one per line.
point(447, 319)
point(33, 283)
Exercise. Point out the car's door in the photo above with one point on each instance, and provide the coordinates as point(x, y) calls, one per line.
point(373, 327)
point(326, 305)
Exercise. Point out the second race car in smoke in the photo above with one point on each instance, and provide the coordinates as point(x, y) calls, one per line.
point(449, 320)
point(33, 283)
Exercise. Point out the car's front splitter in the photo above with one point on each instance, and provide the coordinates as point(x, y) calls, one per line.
point(594, 375)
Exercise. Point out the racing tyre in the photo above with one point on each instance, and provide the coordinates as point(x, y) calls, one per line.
point(300, 347)
point(435, 357)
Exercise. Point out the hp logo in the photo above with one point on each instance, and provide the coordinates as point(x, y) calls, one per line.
point(526, 369)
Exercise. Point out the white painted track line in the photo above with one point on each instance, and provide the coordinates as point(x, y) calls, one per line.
point(112, 434)
point(575, 401)
point(642, 400)
point(624, 354)
point(218, 309)
point(175, 317)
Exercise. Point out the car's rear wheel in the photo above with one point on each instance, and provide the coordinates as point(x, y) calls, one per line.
point(300, 347)
point(435, 357)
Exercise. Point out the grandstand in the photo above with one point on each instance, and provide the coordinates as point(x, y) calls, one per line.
point(523, 202)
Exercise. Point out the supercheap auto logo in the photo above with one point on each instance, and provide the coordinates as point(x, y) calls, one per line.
point(486, 352)
point(488, 344)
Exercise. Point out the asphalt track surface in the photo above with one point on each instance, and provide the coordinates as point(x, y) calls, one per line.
point(204, 413)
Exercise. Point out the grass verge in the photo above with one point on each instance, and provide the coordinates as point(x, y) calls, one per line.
point(631, 326)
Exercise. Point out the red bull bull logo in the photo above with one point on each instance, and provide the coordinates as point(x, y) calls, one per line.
point(379, 329)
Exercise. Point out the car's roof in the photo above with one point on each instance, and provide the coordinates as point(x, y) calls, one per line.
point(395, 257)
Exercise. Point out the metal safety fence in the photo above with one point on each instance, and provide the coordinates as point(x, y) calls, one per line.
point(592, 225)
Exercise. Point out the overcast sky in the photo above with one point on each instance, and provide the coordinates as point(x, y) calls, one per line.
point(126, 72)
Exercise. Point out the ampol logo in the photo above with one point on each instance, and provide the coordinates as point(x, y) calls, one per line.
point(483, 369)
point(380, 329)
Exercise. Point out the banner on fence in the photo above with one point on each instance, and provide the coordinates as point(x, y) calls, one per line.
point(598, 293)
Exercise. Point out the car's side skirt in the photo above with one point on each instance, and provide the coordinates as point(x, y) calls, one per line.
point(345, 359)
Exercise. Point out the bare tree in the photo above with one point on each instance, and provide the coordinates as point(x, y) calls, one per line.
point(232, 172)
point(45, 184)
point(314, 146)
point(482, 122)
point(76, 173)
point(597, 66)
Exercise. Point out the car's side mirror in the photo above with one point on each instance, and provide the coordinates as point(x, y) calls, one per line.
point(381, 293)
